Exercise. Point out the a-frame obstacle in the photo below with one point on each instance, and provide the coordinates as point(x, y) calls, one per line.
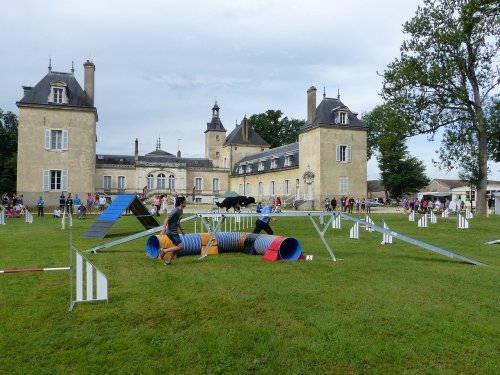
point(121, 203)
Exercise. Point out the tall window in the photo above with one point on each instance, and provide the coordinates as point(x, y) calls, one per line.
point(150, 181)
point(248, 189)
point(121, 184)
point(240, 189)
point(225, 162)
point(344, 184)
point(171, 182)
point(160, 181)
point(272, 188)
point(342, 117)
point(343, 154)
point(287, 187)
point(55, 180)
point(216, 185)
point(58, 95)
point(198, 184)
point(261, 189)
point(297, 188)
point(106, 183)
point(56, 139)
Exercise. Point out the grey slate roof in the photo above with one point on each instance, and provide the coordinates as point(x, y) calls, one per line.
point(278, 153)
point(325, 115)
point(40, 92)
point(238, 136)
point(157, 156)
point(216, 123)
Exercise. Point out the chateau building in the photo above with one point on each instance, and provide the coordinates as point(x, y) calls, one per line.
point(57, 153)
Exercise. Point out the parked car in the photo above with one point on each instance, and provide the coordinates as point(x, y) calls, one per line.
point(373, 203)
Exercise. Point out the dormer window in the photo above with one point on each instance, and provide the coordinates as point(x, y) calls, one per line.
point(58, 93)
point(288, 160)
point(274, 163)
point(342, 118)
point(261, 166)
point(249, 168)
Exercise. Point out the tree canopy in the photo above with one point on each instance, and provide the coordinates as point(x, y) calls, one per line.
point(444, 77)
point(400, 173)
point(275, 129)
point(8, 152)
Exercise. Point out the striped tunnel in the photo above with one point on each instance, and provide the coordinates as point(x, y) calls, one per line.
point(272, 247)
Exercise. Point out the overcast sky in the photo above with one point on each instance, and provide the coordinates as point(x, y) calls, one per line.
point(160, 65)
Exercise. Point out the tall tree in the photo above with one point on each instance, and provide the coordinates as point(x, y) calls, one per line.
point(8, 152)
point(275, 129)
point(444, 76)
point(400, 173)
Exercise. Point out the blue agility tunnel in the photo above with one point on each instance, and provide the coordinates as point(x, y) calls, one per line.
point(285, 248)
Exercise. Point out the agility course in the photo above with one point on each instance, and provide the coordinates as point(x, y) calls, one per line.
point(273, 248)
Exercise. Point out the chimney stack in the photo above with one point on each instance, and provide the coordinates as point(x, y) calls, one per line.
point(89, 81)
point(311, 104)
point(136, 154)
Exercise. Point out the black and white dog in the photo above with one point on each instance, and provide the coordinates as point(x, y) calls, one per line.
point(235, 203)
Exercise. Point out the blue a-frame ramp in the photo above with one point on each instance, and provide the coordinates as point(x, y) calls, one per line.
point(106, 220)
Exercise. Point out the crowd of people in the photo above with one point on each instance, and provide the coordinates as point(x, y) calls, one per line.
point(13, 206)
point(347, 204)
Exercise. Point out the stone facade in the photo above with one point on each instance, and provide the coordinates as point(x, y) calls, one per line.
point(57, 153)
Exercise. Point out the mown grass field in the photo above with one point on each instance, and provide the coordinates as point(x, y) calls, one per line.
point(380, 309)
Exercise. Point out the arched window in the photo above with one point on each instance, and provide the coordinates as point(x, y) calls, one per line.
point(160, 181)
point(150, 181)
point(171, 182)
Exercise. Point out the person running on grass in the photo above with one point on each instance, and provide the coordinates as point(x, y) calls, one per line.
point(171, 228)
point(262, 222)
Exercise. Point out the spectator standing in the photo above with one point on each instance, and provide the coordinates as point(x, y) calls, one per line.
point(157, 204)
point(77, 202)
point(90, 202)
point(5, 200)
point(164, 203)
point(102, 203)
point(69, 204)
point(62, 202)
point(39, 205)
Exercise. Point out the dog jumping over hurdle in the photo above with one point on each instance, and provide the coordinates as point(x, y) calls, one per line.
point(235, 203)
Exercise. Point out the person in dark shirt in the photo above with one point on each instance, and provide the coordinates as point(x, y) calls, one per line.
point(171, 228)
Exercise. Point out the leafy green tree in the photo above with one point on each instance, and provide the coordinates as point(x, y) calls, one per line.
point(8, 152)
point(444, 76)
point(275, 129)
point(400, 173)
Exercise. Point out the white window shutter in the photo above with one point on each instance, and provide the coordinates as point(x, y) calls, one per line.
point(65, 140)
point(349, 154)
point(46, 180)
point(338, 152)
point(47, 139)
point(64, 180)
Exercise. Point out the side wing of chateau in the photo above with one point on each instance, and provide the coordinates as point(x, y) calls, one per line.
point(57, 153)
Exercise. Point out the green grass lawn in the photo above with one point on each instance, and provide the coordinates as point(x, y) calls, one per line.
point(380, 309)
